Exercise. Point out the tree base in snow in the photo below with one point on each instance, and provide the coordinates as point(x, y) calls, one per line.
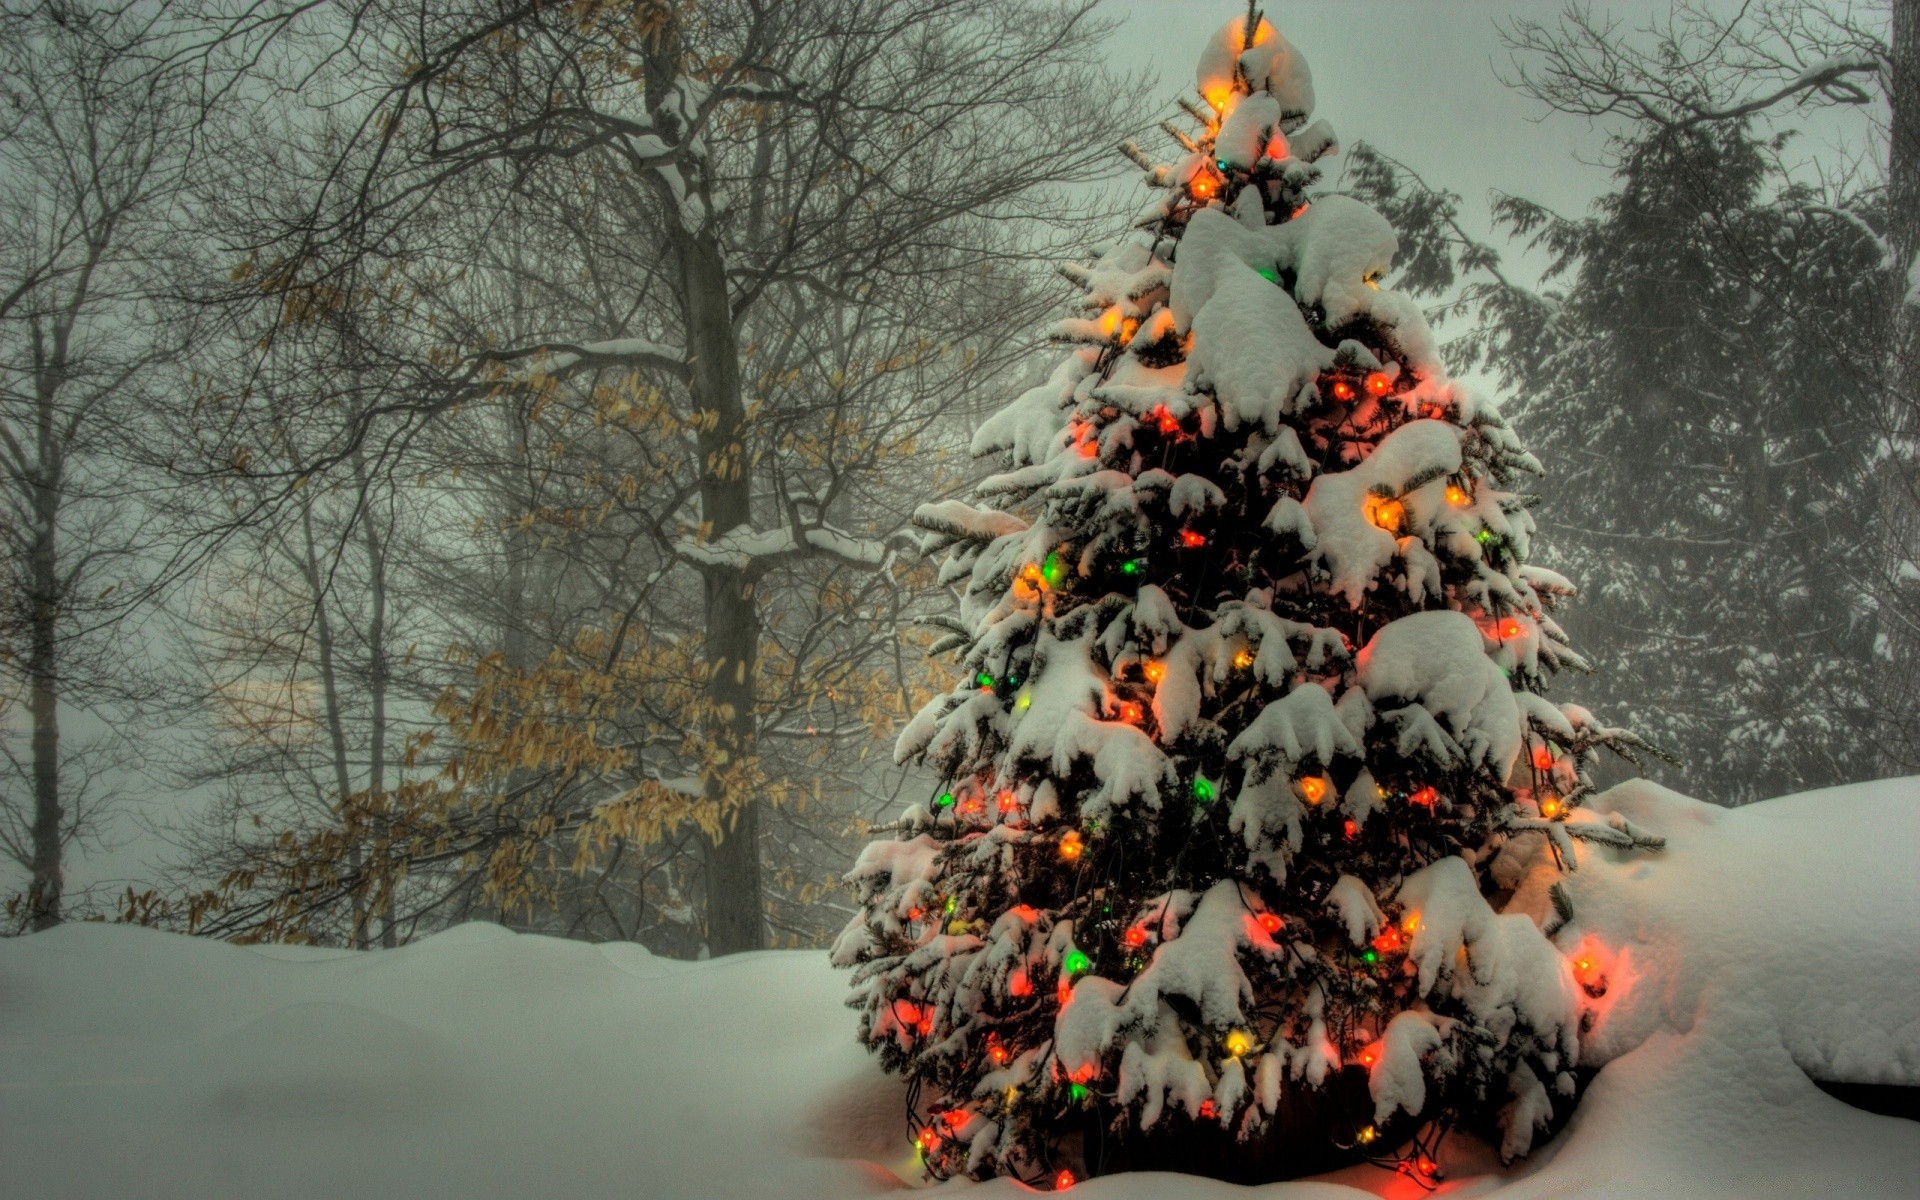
point(1314, 1130)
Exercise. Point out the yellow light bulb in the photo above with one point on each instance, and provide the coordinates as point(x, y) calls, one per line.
point(1239, 1042)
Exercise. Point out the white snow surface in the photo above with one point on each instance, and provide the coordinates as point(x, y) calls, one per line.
point(1763, 944)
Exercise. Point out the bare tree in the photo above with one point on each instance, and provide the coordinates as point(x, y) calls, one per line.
point(94, 158)
point(748, 189)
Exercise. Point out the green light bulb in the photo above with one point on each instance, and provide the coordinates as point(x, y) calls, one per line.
point(1202, 790)
point(1054, 570)
point(945, 800)
point(1076, 962)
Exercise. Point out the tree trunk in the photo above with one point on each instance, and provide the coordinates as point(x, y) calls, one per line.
point(735, 920)
point(49, 878)
point(336, 720)
point(377, 674)
point(48, 881)
point(1899, 617)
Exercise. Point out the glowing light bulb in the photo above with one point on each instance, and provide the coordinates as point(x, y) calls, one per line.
point(1077, 1092)
point(1370, 1056)
point(1313, 788)
point(1070, 846)
point(1063, 1181)
point(1458, 496)
point(1110, 322)
point(1410, 923)
point(1378, 384)
point(1076, 962)
point(1271, 922)
point(1135, 937)
point(1239, 1042)
point(983, 681)
point(1018, 984)
point(1155, 671)
point(1054, 570)
point(1208, 1110)
point(1426, 797)
point(1510, 628)
point(1389, 940)
point(1550, 807)
point(1543, 757)
point(1192, 539)
point(999, 1053)
point(1167, 421)
point(1202, 186)
point(945, 800)
point(1367, 1135)
point(1387, 513)
point(1343, 391)
point(1277, 147)
point(1132, 566)
point(1203, 789)
point(1243, 659)
point(1008, 802)
point(1217, 95)
point(1352, 828)
point(1370, 957)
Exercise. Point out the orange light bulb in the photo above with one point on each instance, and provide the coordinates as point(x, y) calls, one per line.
point(1426, 797)
point(1155, 671)
point(1070, 845)
point(1378, 384)
point(1271, 922)
point(1387, 514)
point(1313, 788)
point(1458, 496)
point(1343, 391)
point(1543, 758)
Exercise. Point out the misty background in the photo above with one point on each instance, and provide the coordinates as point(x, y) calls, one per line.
point(205, 760)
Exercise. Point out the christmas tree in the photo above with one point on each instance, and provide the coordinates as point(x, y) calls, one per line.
point(1251, 722)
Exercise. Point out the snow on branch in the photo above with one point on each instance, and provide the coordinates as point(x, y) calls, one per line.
point(753, 550)
point(566, 358)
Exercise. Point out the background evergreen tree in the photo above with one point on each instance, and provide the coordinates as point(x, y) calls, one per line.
point(1702, 370)
point(1251, 721)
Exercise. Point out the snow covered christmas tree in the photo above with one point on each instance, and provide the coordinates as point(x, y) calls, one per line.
point(1251, 724)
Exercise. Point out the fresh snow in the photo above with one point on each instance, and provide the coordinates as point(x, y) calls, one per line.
point(1763, 945)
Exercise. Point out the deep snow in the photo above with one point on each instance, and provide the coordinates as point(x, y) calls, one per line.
point(1763, 944)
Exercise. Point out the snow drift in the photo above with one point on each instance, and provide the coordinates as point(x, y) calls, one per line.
point(1764, 948)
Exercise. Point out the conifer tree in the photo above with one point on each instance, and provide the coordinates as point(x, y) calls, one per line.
point(1251, 721)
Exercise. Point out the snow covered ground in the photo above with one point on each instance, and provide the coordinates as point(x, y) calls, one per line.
point(1764, 944)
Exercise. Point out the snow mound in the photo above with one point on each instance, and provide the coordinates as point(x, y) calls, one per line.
point(1764, 948)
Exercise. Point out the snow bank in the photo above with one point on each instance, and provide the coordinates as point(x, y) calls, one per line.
point(1764, 945)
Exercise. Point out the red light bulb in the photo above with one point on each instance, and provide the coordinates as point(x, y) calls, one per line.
point(1378, 384)
point(1271, 922)
point(1135, 937)
point(1192, 540)
point(1343, 391)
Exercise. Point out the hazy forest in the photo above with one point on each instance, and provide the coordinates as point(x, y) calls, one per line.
point(457, 457)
